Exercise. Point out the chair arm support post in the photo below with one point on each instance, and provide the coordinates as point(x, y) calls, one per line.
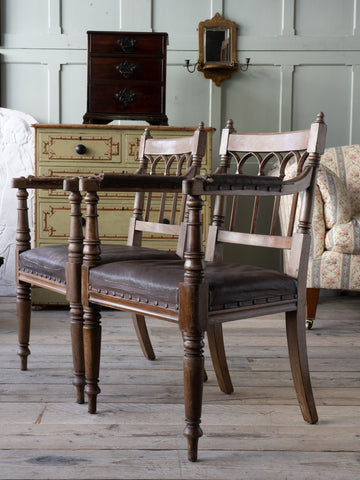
point(22, 231)
point(193, 292)
point(92, 249)
point(75, 248)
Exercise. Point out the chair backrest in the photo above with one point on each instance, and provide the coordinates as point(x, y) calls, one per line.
point(256, 220)
point(163, 213)
point(160, 207)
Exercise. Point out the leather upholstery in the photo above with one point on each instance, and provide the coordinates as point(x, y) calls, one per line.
point(227, 182)
point(230, 285)
point(49, 261)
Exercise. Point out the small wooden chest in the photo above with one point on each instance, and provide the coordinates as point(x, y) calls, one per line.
point(126, 77)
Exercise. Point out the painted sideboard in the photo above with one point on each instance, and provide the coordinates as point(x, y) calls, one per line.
point(88, 149)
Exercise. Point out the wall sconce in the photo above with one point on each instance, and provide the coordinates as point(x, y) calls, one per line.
point(217, 50)
point(191, 68)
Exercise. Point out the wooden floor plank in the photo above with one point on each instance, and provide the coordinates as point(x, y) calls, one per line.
point(256, 433)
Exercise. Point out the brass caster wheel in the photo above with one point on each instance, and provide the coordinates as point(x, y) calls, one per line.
point(309, 324)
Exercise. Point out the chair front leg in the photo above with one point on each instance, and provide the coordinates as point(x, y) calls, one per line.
point(92, 344)
point(76, 328)
point(193, 389)
point(23, 308)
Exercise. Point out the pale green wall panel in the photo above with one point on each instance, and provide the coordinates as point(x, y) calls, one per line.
point(24, 16)
point(73, 93)
point(78, 16)
point(324, 17)
point(179, 18)
point(252, 99)
point(31, 92)
point(191, 108)
point(324, 88)
point(255, 17)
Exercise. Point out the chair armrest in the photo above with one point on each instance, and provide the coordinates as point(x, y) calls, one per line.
point(131, 183)
point(38, 182)
point(221, 183)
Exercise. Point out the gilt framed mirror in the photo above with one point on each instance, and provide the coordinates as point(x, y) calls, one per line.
point(217, 48)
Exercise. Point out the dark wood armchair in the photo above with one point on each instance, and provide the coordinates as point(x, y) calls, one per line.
point(58, 267)
point(199, 295)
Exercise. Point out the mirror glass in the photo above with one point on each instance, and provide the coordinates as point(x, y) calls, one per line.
point(217, 45)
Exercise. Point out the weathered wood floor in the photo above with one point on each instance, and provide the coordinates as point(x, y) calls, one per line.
point(256, 433)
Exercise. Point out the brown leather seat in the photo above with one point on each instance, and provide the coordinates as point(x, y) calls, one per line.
point(49, 261)
point(230, 285)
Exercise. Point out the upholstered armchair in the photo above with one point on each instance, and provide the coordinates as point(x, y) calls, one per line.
point(335, 253)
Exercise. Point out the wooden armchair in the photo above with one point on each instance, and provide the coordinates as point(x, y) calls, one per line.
point(58, 267)
point(199, 296)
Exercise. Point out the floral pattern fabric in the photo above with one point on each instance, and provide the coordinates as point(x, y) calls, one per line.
point(334, 261)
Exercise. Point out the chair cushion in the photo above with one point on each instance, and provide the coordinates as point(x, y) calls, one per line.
point(156, 282)
point(49, 261)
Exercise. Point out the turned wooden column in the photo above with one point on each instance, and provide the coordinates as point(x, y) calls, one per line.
point(193, 298)
point(92, 326)
point(23, 290)
point(73, 292)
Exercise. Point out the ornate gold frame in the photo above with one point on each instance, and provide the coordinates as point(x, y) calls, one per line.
point(217, 71)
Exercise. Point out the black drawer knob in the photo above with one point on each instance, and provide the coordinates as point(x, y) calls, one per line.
point(80, 149)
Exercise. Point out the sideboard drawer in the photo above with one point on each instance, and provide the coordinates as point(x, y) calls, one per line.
point(67, 147)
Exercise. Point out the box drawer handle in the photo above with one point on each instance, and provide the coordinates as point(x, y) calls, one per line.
point(127, 44)
point(125, 96)
point(126, 68)
point(80, 149)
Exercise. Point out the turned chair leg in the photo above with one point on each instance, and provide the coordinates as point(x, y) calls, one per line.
point(92, 344)
point(143, 336)
point(296, 338)
point(312, 298)
point(76, 328)
point(23, 308)
point(193, 389)
point(218, 357)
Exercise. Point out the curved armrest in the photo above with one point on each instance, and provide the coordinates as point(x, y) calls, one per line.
point(221, 183)
point(38, 182)
point(131, 183)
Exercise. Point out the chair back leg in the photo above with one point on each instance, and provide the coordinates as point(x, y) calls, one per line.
point(296, 338)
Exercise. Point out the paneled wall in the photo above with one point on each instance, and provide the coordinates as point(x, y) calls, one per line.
point(305, 58)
